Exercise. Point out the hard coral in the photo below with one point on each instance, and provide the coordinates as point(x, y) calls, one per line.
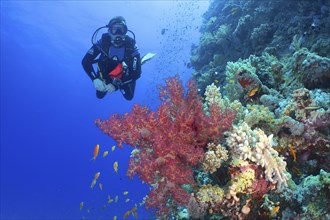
point(171, 141)
point(256, 146)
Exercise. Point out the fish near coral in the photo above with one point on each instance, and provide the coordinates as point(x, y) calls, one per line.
point(253, 91)
point(312, 107)
point(293, 154)
point(274, 211)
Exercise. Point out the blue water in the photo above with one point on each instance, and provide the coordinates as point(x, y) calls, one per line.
point(48, 103)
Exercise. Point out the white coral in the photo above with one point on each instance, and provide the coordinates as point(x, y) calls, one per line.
point(256, 146)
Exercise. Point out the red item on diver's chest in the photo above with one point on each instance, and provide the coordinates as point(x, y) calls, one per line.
point(117, 72)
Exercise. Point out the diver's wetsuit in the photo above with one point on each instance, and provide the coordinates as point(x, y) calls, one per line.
point(109, 58)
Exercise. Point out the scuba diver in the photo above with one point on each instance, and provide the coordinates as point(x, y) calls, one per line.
point(117, 58)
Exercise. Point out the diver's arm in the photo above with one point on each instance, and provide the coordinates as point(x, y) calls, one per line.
point(88, 60)
point(135, 64)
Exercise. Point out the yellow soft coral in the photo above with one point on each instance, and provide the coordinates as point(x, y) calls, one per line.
point(215, 155)
point(240, 183)
point(211, 195)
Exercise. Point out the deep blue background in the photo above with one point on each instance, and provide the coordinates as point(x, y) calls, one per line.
point(48, 103)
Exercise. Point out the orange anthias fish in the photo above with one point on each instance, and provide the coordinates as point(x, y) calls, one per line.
point(96, 152)
point(115, 166)
point(293, 154)
point(127, 214)
point(133, 211)
point(253, 91)
point(274, 211)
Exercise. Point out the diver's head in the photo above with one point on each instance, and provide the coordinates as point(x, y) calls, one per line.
point(117, 30)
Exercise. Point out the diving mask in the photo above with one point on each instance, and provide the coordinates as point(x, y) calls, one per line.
point(118, 29)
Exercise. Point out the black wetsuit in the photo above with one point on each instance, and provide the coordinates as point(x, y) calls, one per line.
point(110, 57)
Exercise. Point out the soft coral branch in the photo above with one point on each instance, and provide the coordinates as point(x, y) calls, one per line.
point(170, 141)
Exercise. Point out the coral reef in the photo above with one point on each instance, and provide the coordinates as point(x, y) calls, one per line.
point(271, 67)
point(311, 69)
point(236, 29)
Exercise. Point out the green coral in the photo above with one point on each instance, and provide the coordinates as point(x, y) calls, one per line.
point(257, 114)
point(233, 89)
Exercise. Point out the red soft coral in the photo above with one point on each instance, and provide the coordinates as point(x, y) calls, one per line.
point(170, 141)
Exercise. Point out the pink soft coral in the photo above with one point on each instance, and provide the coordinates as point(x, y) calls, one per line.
point(170, 141)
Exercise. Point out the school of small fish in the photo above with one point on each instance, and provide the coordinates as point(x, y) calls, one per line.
point(132, 211)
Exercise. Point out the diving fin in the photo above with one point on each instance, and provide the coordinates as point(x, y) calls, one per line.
point(147, 57)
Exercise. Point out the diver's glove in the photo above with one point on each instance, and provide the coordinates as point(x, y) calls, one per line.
point(99, 85)
point(110, 88)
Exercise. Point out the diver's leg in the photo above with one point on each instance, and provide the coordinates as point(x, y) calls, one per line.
point(129, 89)
point(100, 95)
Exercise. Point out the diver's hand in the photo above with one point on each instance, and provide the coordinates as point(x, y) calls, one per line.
point(99, 85)
point(117, 82)
point(110, 88)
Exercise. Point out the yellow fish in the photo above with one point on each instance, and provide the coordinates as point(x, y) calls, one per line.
point(81, 205)
point(134, 208)
point(105, 153)
point(125, 193)
point(114, 217)
point(115, 166)
point(133, 211)
point(113, 148)
point(134, 214)
point(109, 199)
point(96, 151)
point(100, 185)
point(116, 199)
point(97, 175)
point(127, 214)
point(127, 200)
